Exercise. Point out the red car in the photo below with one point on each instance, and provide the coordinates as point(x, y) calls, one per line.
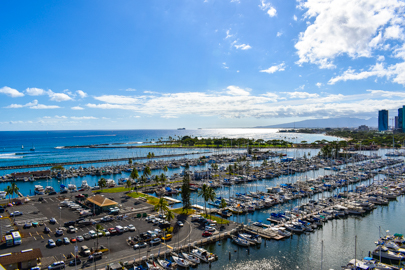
point(206, 234)
point(80, 196)
point(72, 240)
point(112, 231)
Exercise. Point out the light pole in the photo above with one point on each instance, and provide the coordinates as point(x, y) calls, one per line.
point(60, 216)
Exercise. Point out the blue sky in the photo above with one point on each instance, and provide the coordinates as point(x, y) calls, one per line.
point(169, 64)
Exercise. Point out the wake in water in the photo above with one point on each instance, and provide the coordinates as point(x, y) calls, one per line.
point(11, 156)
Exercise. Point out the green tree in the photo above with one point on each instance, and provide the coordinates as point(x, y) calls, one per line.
point(99, 229)
point(135, 175)
point(208, 194)
point(142, 180)
point(15, 189)
point(130, 161)
point(186, 193)
point(169, 215)
point(156, 179)
point(128, 184)
point(147, 172)
point(9, 192)
point(163, 178)
point(57, 168)
point(162, 206)
point(102, 183)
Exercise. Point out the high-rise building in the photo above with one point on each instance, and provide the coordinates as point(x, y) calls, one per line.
point(396, 123)
point(401, 119)
point(382, 120)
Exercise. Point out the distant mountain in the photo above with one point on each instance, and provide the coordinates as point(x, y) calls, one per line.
point(328, 123)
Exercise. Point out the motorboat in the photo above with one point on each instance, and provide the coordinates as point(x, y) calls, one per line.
point(254, 239)
point(166, 264)
point(190, 257)
point(180, 261)
point(203, 255)
point(39, 190)
point(384, 253)
point(240, 242)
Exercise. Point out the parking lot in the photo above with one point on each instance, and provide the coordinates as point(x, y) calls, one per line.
point(119, 249)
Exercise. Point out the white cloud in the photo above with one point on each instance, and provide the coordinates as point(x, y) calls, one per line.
point(115, 99)
point(395, 72)
point(83, 117)
point(58, 97)
point(273, 69)
point(81, 93)
point(270, 10)
point(60, 117)
point(130, 90)
point(279, 34)
point(237, 91)
point(295, 18)
point(45, 107)
point(35, 91)
point(243, 46)
point(298, 94)
point(319, 84)
point(380, 58)
point(77, 108)
point(351, 27)
point(10, 92)
point(17, 106)
point(237, 102)
point(228, 35)
point(301, 87)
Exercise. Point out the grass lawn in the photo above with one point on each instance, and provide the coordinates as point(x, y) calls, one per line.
point(150, 199)
point(216, 218)
point(111, 190)
point(179, 211)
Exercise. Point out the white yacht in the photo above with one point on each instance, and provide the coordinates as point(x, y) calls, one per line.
point(39, 190)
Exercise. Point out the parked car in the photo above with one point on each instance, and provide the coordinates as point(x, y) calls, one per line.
point(92, 234)
point(106, 219)
point(206, 234)
point(72, 229)
point(73, 240)
point(15, 214)
point(75, 262)
point(59, 242)
point(86, 236)
point(51, 243)
point(57, 266)
point(209, 228)
point(140, 245)
point(80, 196)
point(179, 223)
point(59, 233)
point(155, 241)
point(80, 238)
point(167, 237)
point(52, 220)
point(27, 225)
point(105, 232)
point(69, 223)
point(66, 241)
point(112, 231)
point(96, 256)
point(47, 230)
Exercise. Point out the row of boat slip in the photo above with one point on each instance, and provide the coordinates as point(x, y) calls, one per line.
point(389, 254)
point(242, 202)
point(312, 215)
point(184, 259)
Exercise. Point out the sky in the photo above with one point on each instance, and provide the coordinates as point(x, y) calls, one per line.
point(197, 64)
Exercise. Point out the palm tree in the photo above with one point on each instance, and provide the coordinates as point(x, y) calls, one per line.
point(147, 172)
point(163, 178)
point(169, 215)
point(162, 205)
point(156, 179)
point(128, 184)
point(99, 228)
point(14, 189)
point(208, 194)
point(165, 169)
point(102, 183)
point(9, 192)
point(142, 179)
point(135, 175)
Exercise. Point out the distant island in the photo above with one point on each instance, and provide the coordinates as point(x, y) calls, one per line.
point(328, 123)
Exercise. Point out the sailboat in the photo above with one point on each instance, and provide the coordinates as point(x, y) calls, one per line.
point(33, 148)
point(22, 146)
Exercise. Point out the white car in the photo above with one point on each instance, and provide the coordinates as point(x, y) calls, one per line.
point(180, 223)
point(106, 232)
point(210, 229)
point(126, 229)
point(16, 213)
point(131, 227)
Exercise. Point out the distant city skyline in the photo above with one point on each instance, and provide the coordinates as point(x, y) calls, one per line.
point(199, 64)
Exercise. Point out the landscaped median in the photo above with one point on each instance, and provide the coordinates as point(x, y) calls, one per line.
point(216, 218)
point(150, 199)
